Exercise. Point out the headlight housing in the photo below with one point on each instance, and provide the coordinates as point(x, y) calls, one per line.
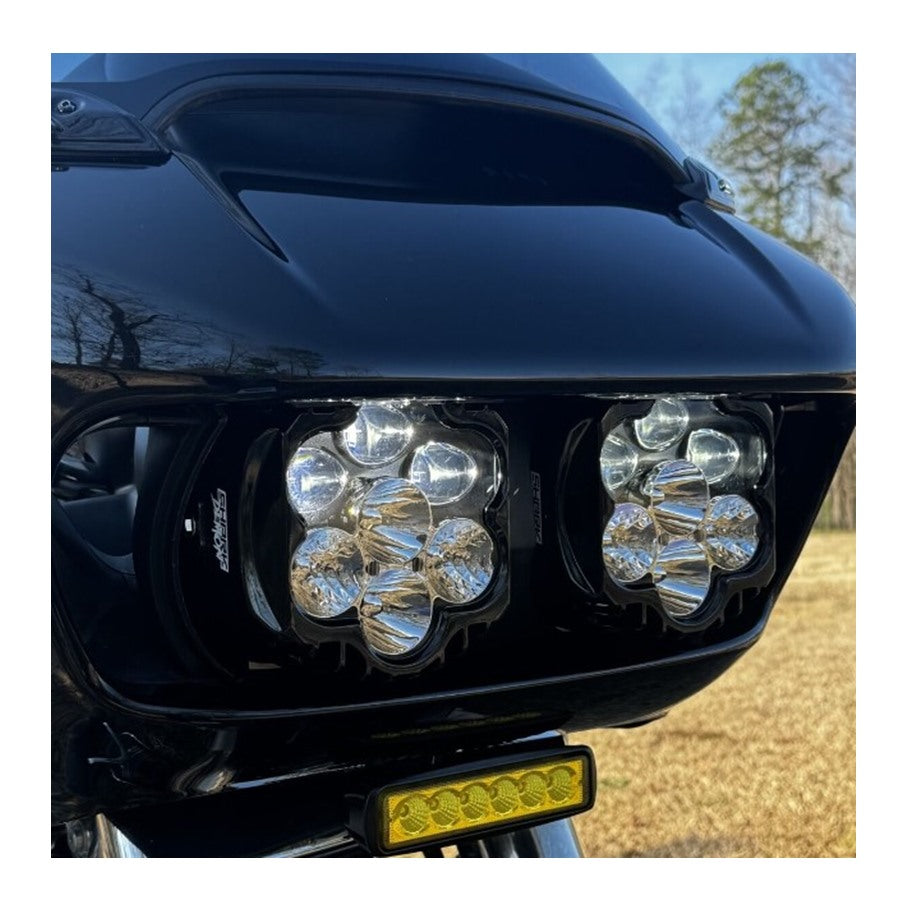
point(395, 537)
point(686, 505)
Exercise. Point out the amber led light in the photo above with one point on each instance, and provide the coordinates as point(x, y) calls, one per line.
point(441, 811)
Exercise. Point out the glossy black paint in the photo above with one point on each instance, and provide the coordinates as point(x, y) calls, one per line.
point(165, 292)
point(376, 289)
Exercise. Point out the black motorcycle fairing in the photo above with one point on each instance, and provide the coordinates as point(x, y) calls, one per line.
point(164, 296)
point(140, 82)
point(575, 293)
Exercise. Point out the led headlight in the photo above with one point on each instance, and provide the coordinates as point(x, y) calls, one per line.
point(393, 536)
point(680, 476)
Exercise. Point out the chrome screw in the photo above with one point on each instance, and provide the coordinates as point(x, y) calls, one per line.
point(66, 107)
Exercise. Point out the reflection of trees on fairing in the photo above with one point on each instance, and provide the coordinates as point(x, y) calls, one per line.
point(285, 361)
point(107, 326)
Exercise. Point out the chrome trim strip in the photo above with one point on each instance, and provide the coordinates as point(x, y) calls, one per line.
point(112, 843)
point(340, 840)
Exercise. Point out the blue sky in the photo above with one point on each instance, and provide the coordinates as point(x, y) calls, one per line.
point(716, 71)
point(681, 90)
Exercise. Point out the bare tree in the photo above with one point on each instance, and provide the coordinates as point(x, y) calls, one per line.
point(74, 316)
point(122, 328)
point(110, 327)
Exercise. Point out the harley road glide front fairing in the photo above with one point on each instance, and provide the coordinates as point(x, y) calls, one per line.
point(408, 413)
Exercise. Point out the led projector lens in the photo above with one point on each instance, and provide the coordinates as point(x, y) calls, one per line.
point(714, 453)
point(315, 480)
point(392, 512)
point(442, 810)
point(663, 426)
point(378, 435)
point(677, 515)
point(442, 472)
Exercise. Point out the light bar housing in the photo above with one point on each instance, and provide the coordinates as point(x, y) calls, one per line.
point(470, 801)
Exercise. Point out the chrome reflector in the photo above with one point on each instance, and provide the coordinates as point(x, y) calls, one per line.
point(681, 574)
point(629, 543)
point(395, 612)
point(327, 574)
point(731, 531)
point(678, 496)
point(459, 560)
point(394, 521)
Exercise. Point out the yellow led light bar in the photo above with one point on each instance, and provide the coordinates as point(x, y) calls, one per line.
point(442, 810)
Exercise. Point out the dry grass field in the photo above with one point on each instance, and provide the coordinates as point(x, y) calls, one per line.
point(761, 763)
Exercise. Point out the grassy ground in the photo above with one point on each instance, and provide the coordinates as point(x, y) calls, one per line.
point(761, 763)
